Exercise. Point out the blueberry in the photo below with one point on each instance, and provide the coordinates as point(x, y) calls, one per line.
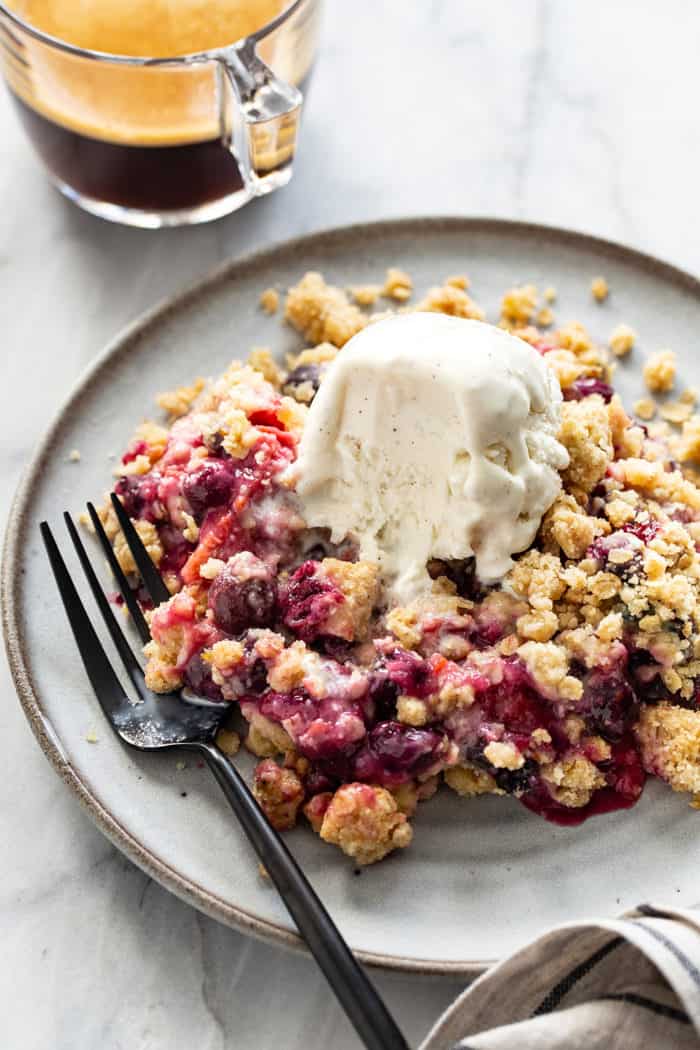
point(609, 703)
point(210, 485)
point(383, 694)
point(413, 675)
point(197, 676)
point(404, 749)
point(304, 374)
point(139, 495)
point(515, 780)
point(239, 604)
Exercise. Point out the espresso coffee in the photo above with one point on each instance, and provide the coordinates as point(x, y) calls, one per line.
point(140, 137)
point(150, 178)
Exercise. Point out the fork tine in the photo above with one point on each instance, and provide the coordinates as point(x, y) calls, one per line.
point(105, 683)
point(152, 580)
point(133, 668)
point(122, 582)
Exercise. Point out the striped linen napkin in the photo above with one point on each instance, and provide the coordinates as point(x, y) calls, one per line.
point(625, 984)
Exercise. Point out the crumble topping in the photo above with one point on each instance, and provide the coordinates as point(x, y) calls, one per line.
point(599, 289)
point(321, 312)
point(452, 300)
point(669, 738)
point(228, 741)
point(280, 792)
point(586, 435)
point(645, 408)
point(366, 294)
point(470, 781)
point(572, 780)
point(397, 285)
point(564, 686)
point(622, 339)
point(270, 300)
point(660, 371)
point(365, 822)
point(518, 306)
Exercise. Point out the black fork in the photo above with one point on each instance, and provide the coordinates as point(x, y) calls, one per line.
point(155, 722)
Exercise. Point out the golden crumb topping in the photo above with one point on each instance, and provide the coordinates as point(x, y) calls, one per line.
point(660, 371)
point(599, 289)
point(322, 312)
point(365, 822)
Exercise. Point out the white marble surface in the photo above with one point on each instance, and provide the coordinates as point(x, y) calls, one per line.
point(578, 114)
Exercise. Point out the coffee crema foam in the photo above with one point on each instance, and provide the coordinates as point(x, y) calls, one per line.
point(130, 105)
point(154, 28)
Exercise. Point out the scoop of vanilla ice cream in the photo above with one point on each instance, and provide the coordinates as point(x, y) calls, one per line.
point(432, 437)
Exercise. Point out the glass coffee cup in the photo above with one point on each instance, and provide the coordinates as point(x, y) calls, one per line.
point(167, 140)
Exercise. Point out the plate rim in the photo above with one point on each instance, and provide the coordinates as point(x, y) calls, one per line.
point(122, 344)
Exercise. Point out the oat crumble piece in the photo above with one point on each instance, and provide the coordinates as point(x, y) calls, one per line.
point(566, 526)
point(572, 780)
point(458, 280)
point(411, 711)
point(359, 584)
point(322, 354)
point(669, 738)
point(504, 755)
point(452, 301)
point(270, 300)
point(676, 412)
point(228, 742)
point(599, 289)
point(689, 445)
point(365, 822)
point(178, 402)
point(538, 626)
point(211, 568)
point(549, 666)
point(660, 371)
point(550, 294)
point(74, 456)
point(366, 294)
point(265, 738)
point(321, 312)
point(261, 360)
point(150, 539)
point(585, 433)
point(397, 285)
point(469, 781)
point(622, 339)
point(280, 793)
point(645, 408)
point(545, 317)
point(518, 305)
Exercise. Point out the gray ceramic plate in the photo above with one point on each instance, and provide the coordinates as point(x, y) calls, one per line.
point(482, 876)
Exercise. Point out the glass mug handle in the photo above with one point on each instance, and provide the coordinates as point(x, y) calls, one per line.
point(262, 134)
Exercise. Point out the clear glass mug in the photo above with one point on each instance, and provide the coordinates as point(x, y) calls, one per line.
point(163, 141)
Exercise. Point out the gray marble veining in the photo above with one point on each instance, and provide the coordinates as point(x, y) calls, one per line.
point(577, 114)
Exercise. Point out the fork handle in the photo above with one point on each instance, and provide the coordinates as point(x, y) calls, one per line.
point(356, 994)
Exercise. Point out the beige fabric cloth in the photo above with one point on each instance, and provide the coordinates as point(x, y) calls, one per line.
point(625, 984)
